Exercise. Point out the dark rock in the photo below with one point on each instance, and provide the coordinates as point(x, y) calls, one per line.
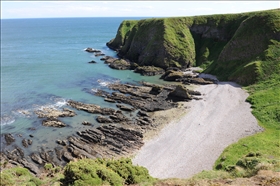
point(110, 60)
point(24, 143)
point(29, 141)
point(199, 81)
point(54, 113)
point(68, 156)
point(149, 70)
point(33, 168)
point(142, 113)
point(9, 138)
point(125, 108)
point(99, 54)
point(102, 119)
point(120, 64)
point(61, 142)
point(53, 123)
point(91, 50)
point(91, 108)
point(58, 152)
point(105, 58)
point(30, 135)
point(172, 75)
point(86, 123)
point(180, 93)
point(109, 100)
point(36, 158)
point(92, 61)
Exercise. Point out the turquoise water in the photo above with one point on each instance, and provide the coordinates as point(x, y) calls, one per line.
point(43, 64)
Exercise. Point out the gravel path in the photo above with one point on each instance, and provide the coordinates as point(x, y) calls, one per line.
point(192, 144)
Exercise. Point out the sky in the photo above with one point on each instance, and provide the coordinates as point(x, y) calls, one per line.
point(55, 9)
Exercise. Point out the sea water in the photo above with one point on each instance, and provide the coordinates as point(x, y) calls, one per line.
point(44, 64)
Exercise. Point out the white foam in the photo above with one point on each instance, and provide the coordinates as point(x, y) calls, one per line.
point(6, 120)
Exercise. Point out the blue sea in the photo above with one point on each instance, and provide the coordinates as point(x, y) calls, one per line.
point(43, 64)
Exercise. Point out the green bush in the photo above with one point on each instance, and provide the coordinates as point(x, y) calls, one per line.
point(18, 176)
point(101, 171)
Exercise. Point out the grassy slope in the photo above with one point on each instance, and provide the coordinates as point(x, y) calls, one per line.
point(265, 100)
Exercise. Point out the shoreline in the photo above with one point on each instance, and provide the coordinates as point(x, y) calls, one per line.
point(194, 141)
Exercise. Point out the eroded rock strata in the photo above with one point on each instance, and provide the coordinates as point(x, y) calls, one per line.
point(119, 134)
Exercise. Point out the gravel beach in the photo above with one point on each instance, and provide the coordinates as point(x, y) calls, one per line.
point(193, 142)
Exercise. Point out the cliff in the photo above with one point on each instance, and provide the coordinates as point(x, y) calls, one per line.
point(232, 46)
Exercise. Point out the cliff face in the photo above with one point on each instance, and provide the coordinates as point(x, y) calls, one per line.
point(224, 44)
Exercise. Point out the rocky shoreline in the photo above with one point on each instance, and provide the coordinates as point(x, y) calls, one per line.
point(119, 134)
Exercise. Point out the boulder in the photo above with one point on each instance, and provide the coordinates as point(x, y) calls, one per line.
point(9, 138)
point(91, 50)
point(149, 70)
point(180, 93)
point(172, 75)
point(86, 123)
point(120, 64)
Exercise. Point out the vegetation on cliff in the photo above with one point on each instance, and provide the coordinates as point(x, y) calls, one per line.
point(231, 46)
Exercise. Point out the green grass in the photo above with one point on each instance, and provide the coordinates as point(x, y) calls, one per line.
point(105, 172)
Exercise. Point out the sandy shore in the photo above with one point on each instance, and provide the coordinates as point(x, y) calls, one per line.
point(193, 142)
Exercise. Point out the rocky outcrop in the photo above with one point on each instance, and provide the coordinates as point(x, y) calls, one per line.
point(149, 70)
point(92, 50)
point(9, 138)
point(54, 113)
point(172, 75)
point(180, 93)
point(91, 108)
point(120, 64)
point(230, 42)
point(52, 122)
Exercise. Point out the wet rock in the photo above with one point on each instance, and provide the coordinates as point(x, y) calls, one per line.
point(125, 108)
point(9, 138)
point(172, 75)
point(91, 50)
point(61, 142)
point(102, 119)
point(29, 142)
point(105, 58)
point(30, 135)
point(180, 94)
point(67, 156)
point(110, 60)
point(58, 152)
point(119, 117)
point(109, 100)
point(142, 113)
point(149, 70)
point(54, 113)
point(199, 81)
point(86, 123)
point(99, 54)
point(91, 108)
point(92, 62)
point(120, 64)
point(32, 167)
point(36, 158)
point(25, 143)
point(53, 123)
